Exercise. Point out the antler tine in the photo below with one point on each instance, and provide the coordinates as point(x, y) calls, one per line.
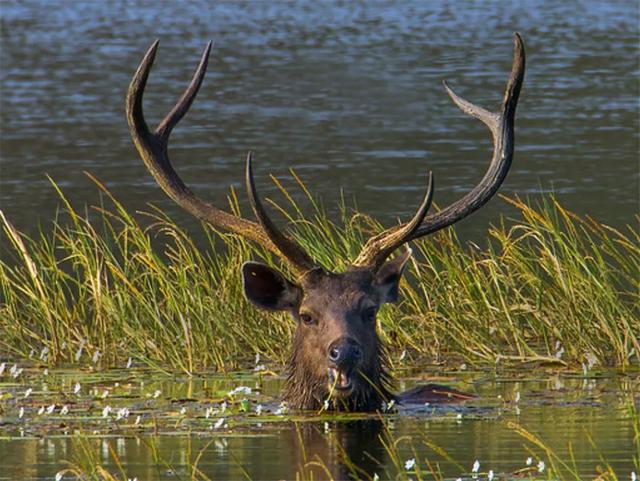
point(285, 245)
point(501, 125)
point(384, 244)
point(182, 105)
point(152, 148)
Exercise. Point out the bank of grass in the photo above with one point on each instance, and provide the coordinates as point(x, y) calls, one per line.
point(551, 287)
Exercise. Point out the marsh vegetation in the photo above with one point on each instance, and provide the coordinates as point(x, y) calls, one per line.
point(549, 287)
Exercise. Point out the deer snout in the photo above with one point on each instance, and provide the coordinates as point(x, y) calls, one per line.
point(344, 353)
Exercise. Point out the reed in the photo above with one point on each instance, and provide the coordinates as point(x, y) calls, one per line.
point(550, 287)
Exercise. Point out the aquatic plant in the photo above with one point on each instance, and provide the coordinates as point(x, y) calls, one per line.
point(105, 286)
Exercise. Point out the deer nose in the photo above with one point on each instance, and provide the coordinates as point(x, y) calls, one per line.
point(344, 352)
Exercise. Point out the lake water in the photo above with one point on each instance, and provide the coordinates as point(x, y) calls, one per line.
point(167, 415)
point(349, 95)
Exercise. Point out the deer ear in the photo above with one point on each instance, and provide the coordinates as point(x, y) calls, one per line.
point(388, 277)
point(268, 289)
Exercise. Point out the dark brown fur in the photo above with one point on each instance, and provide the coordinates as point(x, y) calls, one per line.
point(330, 308)
point(337, 301)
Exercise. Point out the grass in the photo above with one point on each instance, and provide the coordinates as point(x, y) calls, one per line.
point(105, 285)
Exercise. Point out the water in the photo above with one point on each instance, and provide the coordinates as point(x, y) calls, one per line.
point(349, 95)
point(564, 411)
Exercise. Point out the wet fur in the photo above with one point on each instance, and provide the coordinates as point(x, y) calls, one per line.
point(303, 390)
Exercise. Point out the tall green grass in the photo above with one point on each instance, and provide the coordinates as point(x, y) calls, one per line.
point(550, 287)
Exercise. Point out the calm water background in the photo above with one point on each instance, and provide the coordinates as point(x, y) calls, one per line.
point(350, 95)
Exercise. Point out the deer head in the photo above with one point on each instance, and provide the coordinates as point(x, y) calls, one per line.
point(337, 354)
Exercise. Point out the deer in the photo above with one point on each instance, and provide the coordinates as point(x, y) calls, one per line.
point(337, 361)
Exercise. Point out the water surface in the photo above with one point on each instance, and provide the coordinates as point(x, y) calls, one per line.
point(348, 94)
point(184, 417)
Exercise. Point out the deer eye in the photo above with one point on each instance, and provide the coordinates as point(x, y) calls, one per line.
point(369, 314)
point(307, 319)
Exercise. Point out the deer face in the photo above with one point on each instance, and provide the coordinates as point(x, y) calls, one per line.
point(337, 355)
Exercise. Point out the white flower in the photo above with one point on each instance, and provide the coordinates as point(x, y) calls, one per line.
point(96, 356)
point(183, 411)
point(257, 359)
point(43, 353)
point(325, 405)
point(21, 413)
point(122, 413)
point(517, 397)
point(376, 477)
point(76, 388)
point(218, 423)
point(541, 466)
point(282, 409)
point(633, 476)
point(259, 409)
point(105, 393)
point(260, 367)
point(529, 461)
point(129, 362)
point(240, 390)
point(45, 372)
point(402, 355)
point(41, 411)
point(138, 419)
point(51, 408)
point(223, 406)
point(409, 464)
point(476, 466)
point(64, 410)
point(58, 476)
point(208, 412)
point(17, 372)
point(157, 393)
point(28, 392)
point(106, 411)
point(490, 475)
point(388, 406)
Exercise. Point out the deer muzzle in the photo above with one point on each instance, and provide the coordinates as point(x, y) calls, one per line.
point(344, 355)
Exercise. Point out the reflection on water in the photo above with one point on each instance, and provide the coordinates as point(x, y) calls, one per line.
point(349, 94)
point(179, 422)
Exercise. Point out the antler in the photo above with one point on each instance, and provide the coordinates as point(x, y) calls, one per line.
point(152, 147)
point(379, 247)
